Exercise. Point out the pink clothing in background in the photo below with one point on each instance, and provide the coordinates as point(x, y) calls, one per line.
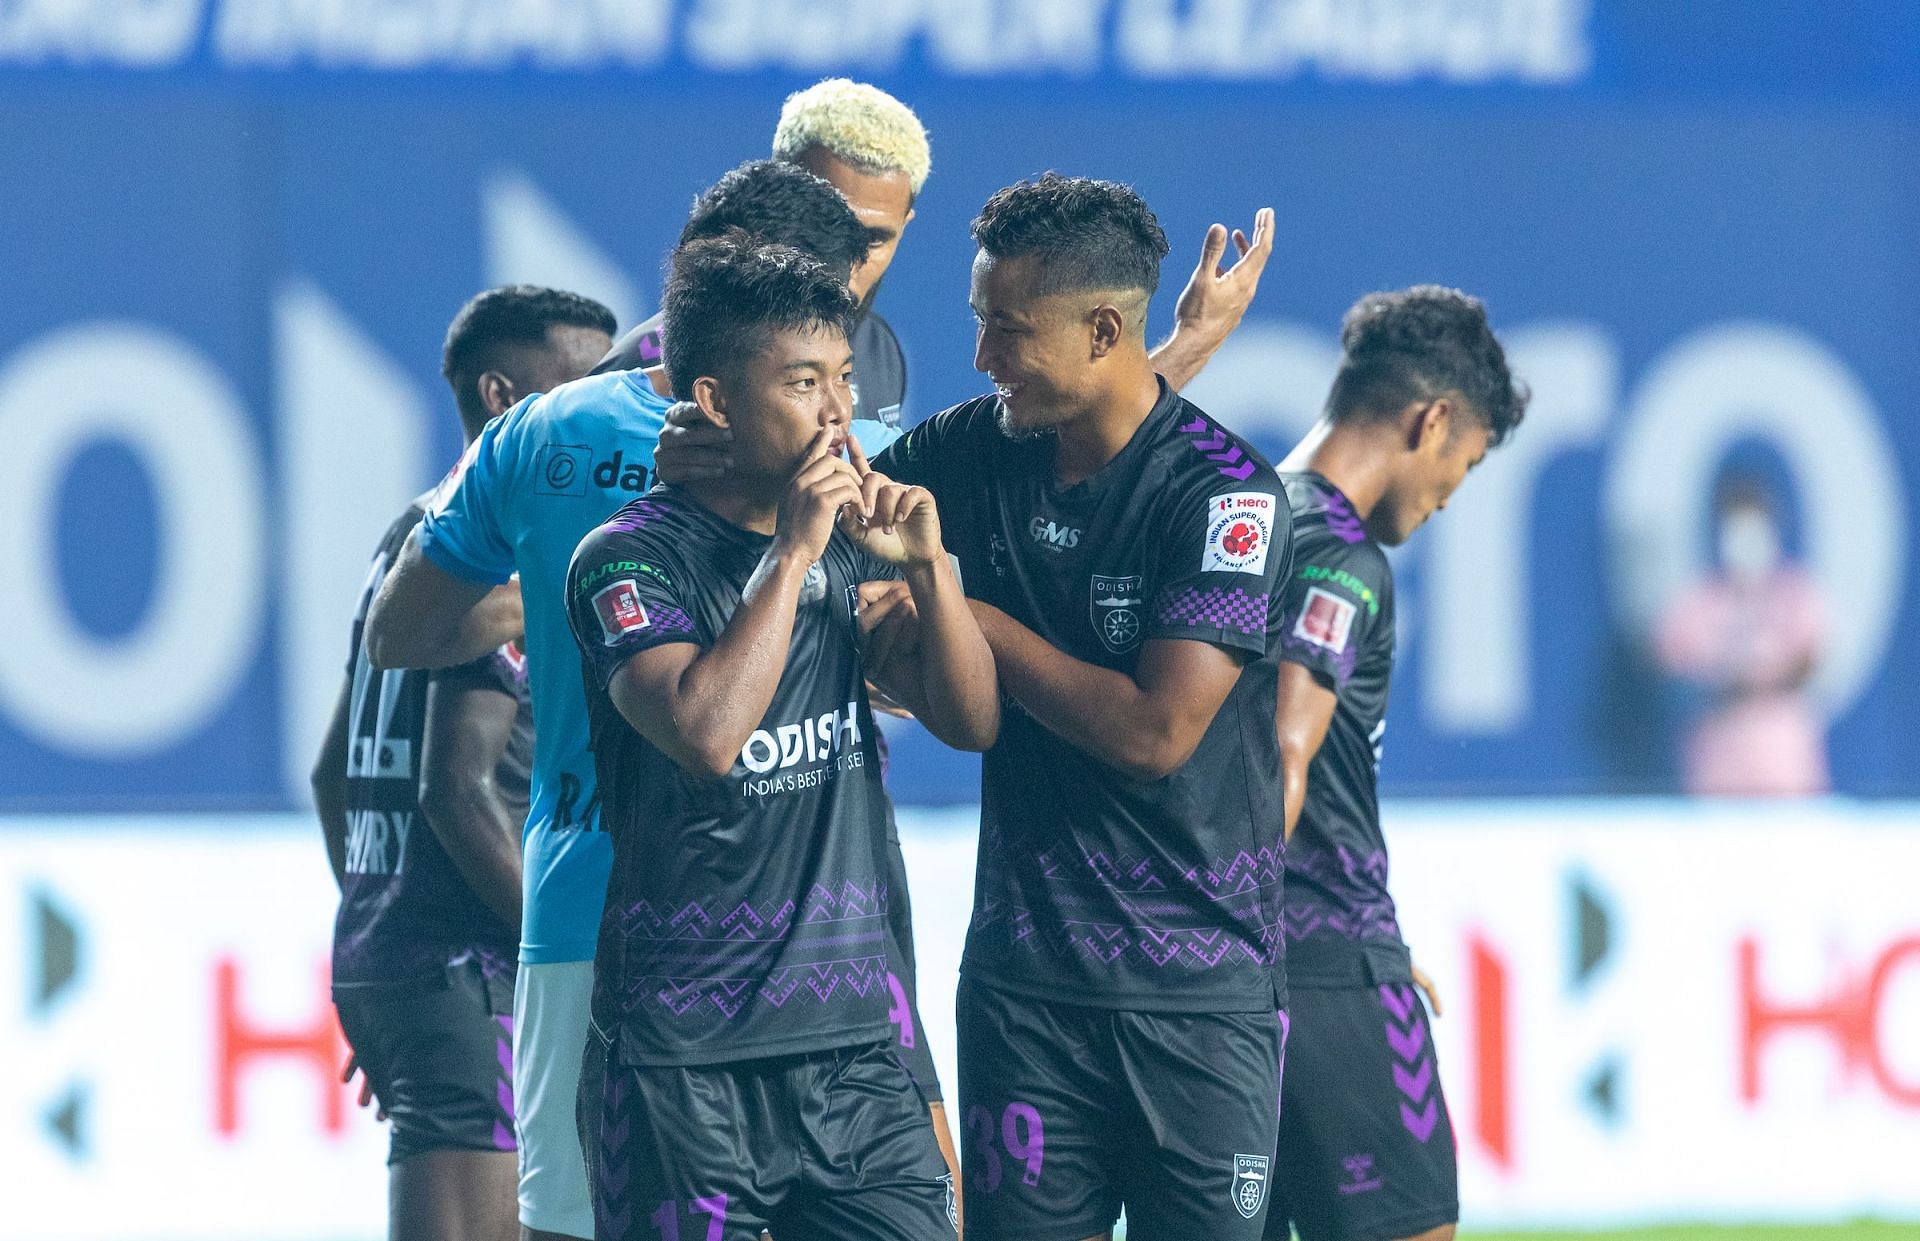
point(1751, 645)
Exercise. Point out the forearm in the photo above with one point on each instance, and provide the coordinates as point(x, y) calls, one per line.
point(481, 837)
point(447, 635)
point(723, 694)
point(1097, 710)
point(1293, 792)
point(959, 691)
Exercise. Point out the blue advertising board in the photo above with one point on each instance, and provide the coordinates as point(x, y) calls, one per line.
point(235, 234)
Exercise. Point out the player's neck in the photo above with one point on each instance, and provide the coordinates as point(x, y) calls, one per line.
point(1084, 445)
point(1347, 457)
point(739, 502)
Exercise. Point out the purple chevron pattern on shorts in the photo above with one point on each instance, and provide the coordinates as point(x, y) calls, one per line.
point(1233, 610)
point(1413, 1071)
point(503, 1137)
point(1217, 446)
point(612, 1168)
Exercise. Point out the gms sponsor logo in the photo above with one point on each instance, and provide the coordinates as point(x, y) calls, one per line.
point(820, 748)
point(1053, 537)
point(567, 469)
point(1239, 527)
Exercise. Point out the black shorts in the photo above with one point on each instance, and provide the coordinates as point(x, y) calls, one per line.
point(1366, 1146)
point(910, 1033)
point(1069, 1114)
point(828, 1146)
point(439, 1058)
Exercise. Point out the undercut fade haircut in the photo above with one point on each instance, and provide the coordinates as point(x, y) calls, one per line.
point(1420, 344)
point(859, 124)
point(781, 204)
point(493, 322)
point(1087, 234)
point(726, 296)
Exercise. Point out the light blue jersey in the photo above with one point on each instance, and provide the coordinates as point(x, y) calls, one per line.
point(538, 480)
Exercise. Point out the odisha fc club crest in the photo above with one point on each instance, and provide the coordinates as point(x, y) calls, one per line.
point(1249, 1183)
point(1116, 612)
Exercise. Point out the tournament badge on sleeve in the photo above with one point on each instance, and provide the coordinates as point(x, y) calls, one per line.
point(620, 610)
point(1115, 603)
point(1250, 1183)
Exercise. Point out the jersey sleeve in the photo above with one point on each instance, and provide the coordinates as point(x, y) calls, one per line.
point(1223, 553)
point(1333, 606)
point(504, 671)
point(461, 531)
point(623, 597)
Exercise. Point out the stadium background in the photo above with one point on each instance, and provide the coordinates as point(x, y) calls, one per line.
point(235, 231)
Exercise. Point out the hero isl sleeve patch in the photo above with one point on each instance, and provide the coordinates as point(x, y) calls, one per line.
point(1239, 528)
point(618, 606)
point(1326, 621)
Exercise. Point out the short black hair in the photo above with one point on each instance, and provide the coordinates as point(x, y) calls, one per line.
point(725, 295)
point(513, 314)
point(774, 201)
point(1419, 344)
point(1088, 234)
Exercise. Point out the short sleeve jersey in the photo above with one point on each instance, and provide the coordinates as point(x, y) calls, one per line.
point(879, 374)
point(746, 916)
point(1094, 887)
point(1341, 929)
point(405, 914)
point(539, 478)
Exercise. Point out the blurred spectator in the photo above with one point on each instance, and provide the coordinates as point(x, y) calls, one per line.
point(1748, 635)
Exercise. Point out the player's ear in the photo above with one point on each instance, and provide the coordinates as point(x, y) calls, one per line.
point(1429, 424)
point(1109, 324)
point(711, 401)
point(497, 393)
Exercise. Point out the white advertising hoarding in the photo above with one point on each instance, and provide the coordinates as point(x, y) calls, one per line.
point(1652, 1011)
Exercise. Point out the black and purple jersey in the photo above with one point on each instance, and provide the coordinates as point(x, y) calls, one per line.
point(1095, 888)
point(406, 915)
point(747, 916)
point(1341, 928)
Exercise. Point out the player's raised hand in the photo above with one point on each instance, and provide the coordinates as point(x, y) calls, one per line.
point(898, 524)
point(1217, 297)
point(820, 488)
point(691, 449)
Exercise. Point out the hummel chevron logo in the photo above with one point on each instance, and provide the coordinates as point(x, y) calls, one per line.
point(1414, 1077)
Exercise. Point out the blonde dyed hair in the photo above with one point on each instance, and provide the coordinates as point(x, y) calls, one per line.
point(858, 123)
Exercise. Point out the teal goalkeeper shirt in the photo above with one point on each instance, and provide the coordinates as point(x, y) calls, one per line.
point(540, 478)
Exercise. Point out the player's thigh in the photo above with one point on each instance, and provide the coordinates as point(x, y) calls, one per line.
point(1200, 1136)
point(1038, 1121)
point(677, 1152)
point(1366, 1147)
point(872, 1169)
point(552, 1003)
point(453, 1195)
point(439, 1059)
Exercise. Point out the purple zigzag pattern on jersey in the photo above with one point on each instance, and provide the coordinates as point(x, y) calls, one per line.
point(695, 920)
point(1217, 446)
point(1358, 881)
point(1107, 942)
point(1214, 608)
point(823, 981)
point(1343, 521)
point(1244, 872)
point(1413, 1074)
